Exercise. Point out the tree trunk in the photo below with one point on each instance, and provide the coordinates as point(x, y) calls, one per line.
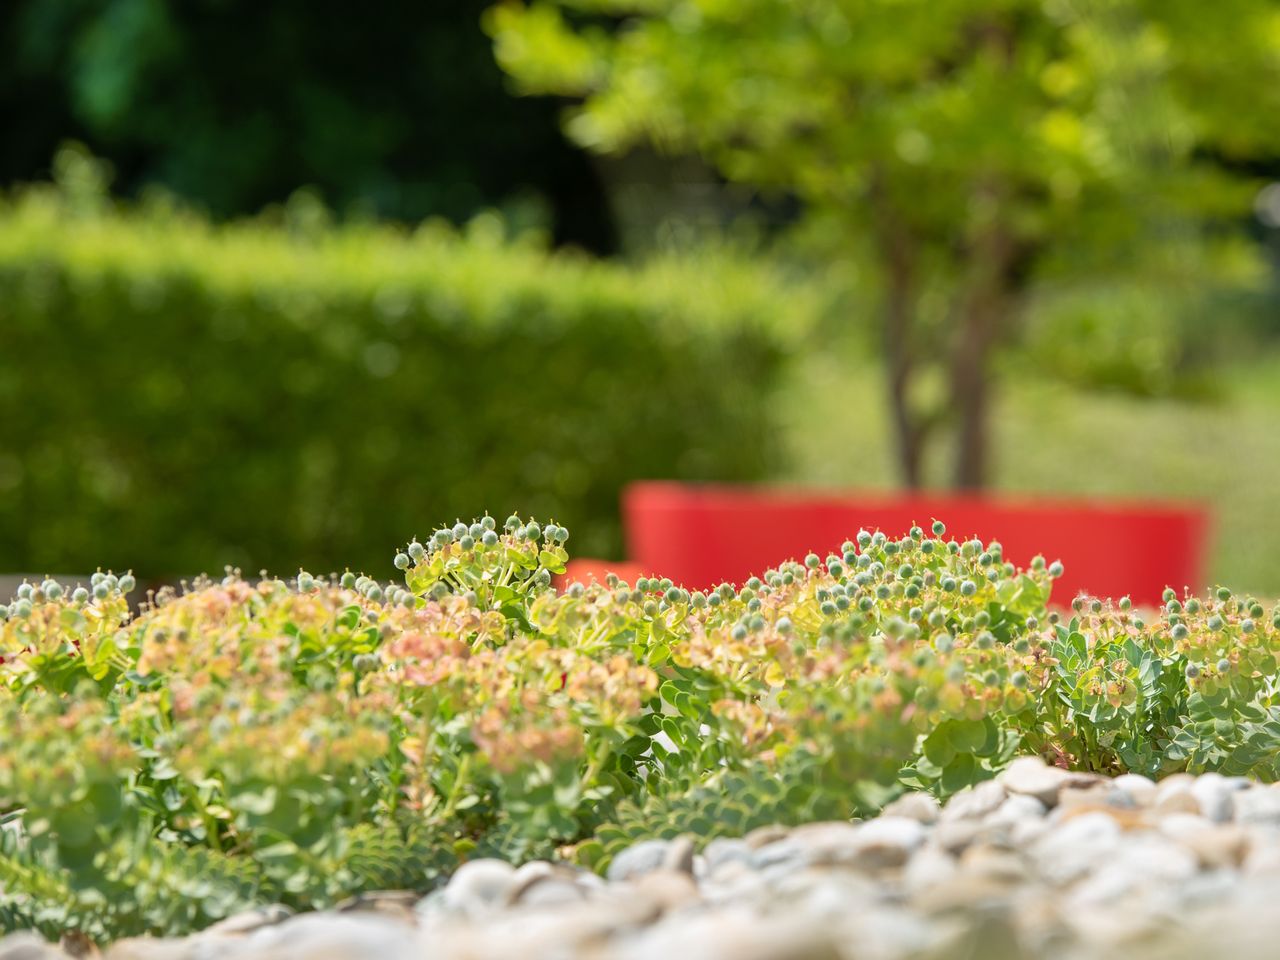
point(986, 302)
point(898, 254)
point(898, 312)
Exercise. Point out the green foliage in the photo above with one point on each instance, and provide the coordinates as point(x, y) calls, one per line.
point(298, 743)
point(186, 395)
point(401, 116)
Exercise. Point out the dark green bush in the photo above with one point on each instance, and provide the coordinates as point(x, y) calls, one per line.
point(177, 395)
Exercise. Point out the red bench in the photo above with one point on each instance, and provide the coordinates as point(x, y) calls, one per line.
point(703, 535)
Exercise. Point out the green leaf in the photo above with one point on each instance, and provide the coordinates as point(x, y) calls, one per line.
point(968, 736)
point(961, 772)
point(551, 562)
point(938, 748)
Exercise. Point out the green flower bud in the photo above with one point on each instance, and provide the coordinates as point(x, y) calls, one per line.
point(402, 561)
point(417, 551)
point(1224, 665)
point(467, 542)
point(783, 625)
point(1019, 679)
point(80, 595)
point(101, 591)
point(968, 588)
point(1192, 671)
point(1056, 569)
point(939, 528)
point(21, 609)
point(1246, 625)
point(1214, 622)
point(490, 538)
point(459, 530)
point(512, 524)
point(1179, 631)
point(739, 632)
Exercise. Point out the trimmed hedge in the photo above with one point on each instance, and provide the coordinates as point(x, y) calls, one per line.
point(180, 395)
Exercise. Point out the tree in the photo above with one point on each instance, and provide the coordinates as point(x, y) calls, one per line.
point(965, 148)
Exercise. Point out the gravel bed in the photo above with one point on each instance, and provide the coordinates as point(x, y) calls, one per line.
point(1037, 863)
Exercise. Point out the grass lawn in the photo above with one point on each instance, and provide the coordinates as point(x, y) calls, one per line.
point(1051, 438)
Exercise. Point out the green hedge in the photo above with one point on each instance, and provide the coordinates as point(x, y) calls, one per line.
point(179, 395)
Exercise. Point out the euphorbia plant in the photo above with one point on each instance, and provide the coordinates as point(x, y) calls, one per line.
point(300, 741)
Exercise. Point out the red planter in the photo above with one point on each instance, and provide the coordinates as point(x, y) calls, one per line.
point(704, 535)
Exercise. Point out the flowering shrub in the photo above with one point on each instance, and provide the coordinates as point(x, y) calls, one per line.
point(303, 741)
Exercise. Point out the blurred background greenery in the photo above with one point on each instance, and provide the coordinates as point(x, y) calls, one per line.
point(282, 285)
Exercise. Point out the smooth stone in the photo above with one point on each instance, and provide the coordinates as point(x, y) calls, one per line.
point(962, 893)
point(826, 842)
point(1174, 795)
point(1257, 805)
point(973, 803)
point(1031, 776)
point(993, 863)
point(931, 866)
point(27, 946)
point(886, 842)
point(547, 890)
point(637, 859)
point(1016, 809)
point(679, 855)
point(1178, 826)
point(954, 835)
point(322, 936)
point(1214, 793)
point(1142, 790)
point(1076, 846)
point(916, 806)
point(723, 850)
point(668, 890)
point(1148, 868)
point(1222, 846)
point(763, 836)
point(153, 948)
point(1095, 796)
point(249, 920)
point(478, 886)
point(730, 934)
point(391, 903)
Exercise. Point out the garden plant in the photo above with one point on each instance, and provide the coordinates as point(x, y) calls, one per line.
point(243, 742)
